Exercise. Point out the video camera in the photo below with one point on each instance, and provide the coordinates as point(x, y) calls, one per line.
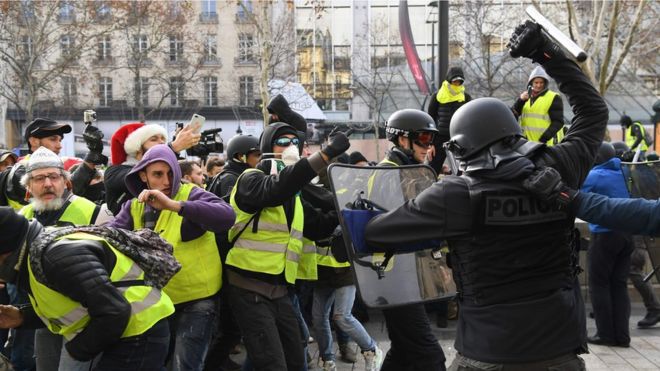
point(210, 142)
point(89, 116)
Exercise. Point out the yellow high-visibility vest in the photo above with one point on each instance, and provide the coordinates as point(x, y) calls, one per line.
point(630, 138)
point(535, 118)
point(80, 211)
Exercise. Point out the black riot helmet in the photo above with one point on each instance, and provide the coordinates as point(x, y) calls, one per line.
point(478, 124)
point(605, 152)
point(407, 123)
point(272, 132)
point(241, 145)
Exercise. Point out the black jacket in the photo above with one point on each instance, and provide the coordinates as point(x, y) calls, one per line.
point(257, 190)
point(556, 113)
point(81, 271)
point(443, 112)
point(443, 211)
point(116, 192)
point(223, 183)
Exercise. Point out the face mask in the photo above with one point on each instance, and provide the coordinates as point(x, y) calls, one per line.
point(290, 155)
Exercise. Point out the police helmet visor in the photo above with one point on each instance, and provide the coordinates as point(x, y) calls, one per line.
point(285, 142)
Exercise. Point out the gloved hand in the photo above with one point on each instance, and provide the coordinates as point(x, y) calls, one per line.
point(628, 156)
point(528, 40)
point(545, 184)
point(93, 139)
point(338, 143)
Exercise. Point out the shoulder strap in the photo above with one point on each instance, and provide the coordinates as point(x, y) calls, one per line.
point(254, 216)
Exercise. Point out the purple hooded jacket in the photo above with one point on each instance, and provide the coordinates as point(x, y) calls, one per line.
point(203, 211)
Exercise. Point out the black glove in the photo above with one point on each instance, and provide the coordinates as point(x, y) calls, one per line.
point(545, 184)
point(338, 143)
point(628, 156)
point(94, 140)
point(529, 40)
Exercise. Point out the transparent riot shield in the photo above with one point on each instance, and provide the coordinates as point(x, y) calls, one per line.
point(643, 180)
point(415, 273)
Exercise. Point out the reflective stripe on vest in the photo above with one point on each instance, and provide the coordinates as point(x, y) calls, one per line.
point(535, 118)
point(66, 317)
point(307, 265)
point(201, 271)
point(630, 138)
point(80, 211)
point(325, 258)
point(273, 248)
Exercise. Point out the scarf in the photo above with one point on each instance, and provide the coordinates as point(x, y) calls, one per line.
point(450, 93)
point(147, 249)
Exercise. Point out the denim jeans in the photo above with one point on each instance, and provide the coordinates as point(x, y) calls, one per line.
point(146, 352)
point(191, 328)
point(50, 354)
point(304, 330)
point(343, 299)
point(21, 340)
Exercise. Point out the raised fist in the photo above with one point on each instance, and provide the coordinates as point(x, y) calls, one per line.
point(528, 40)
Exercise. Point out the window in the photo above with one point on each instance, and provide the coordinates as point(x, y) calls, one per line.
point(175, 9)
point(176, 48)
point(27, 47)
point(69, 90)
point(244, 10)
point(208, 8)
point(103, 10)
point(211, 91)
point(210, 49)
point(141, 92)
point(176, 91)
point(66, 45)
point(105, 49)
point(66, 12)
point(140, 46)
point(246, 91)
point(245, 48)
point(27, 10)
point(105, 91)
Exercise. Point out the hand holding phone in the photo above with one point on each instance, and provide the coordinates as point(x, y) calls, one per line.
point(196, 123)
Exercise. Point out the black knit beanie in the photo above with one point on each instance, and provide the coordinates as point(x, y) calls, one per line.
point(13, 228)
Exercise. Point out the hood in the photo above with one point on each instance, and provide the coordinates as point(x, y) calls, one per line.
point(612, 164)
point(160, 152)
point(539, 72)
point(272, 132)
point(285, 114)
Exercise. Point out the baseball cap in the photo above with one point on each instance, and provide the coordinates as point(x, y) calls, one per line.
point(44, 127)
point(4, 154)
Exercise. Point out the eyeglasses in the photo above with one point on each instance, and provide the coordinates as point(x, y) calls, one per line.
point(285, 142)
point(424, 138)
point(42, 178)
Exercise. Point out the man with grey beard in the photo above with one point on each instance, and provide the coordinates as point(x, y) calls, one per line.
point(52, 204)
point(49, 186)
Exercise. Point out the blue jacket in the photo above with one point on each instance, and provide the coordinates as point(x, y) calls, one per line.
point(606, 179)
point(630, 215)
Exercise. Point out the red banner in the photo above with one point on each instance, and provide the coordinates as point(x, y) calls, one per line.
point(414, 63)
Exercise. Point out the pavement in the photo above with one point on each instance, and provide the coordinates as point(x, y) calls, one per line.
point(643, 354)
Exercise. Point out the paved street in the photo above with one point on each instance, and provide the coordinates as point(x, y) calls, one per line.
point(643, 354)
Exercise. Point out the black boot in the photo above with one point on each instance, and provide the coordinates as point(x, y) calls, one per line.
point(650, 319)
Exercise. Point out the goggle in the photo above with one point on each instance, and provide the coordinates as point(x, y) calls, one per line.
point(285, 142)
point(424, 138)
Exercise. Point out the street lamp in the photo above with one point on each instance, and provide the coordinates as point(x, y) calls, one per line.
point(239, 131)
point(432, 18)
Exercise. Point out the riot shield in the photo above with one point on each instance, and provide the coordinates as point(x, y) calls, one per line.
point(643, 180)
point(413, 275)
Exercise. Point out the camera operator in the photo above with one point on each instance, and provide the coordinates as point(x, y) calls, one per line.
point(127, 146)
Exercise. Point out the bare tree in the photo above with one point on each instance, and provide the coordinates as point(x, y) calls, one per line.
point(161, 50)
point(43, 42)
point(609, 31)
point(486, 61)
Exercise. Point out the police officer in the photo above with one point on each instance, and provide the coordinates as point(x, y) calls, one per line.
point(512, 255)
point(413, 345)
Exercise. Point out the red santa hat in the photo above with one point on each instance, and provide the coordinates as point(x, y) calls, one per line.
point(118, 153)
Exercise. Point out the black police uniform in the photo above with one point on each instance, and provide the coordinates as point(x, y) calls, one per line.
point(511, 255)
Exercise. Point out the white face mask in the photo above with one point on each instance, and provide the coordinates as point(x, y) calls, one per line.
point(290, 155)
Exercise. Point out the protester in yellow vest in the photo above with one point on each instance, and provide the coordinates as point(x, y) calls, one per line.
point(187, 217)
point(635, 136)
point(52, 204)
point(271, 221)
point(82, 286)
point(540, 109)
point(450, 97)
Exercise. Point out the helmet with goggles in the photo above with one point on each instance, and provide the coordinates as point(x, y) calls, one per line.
point(411, 123)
